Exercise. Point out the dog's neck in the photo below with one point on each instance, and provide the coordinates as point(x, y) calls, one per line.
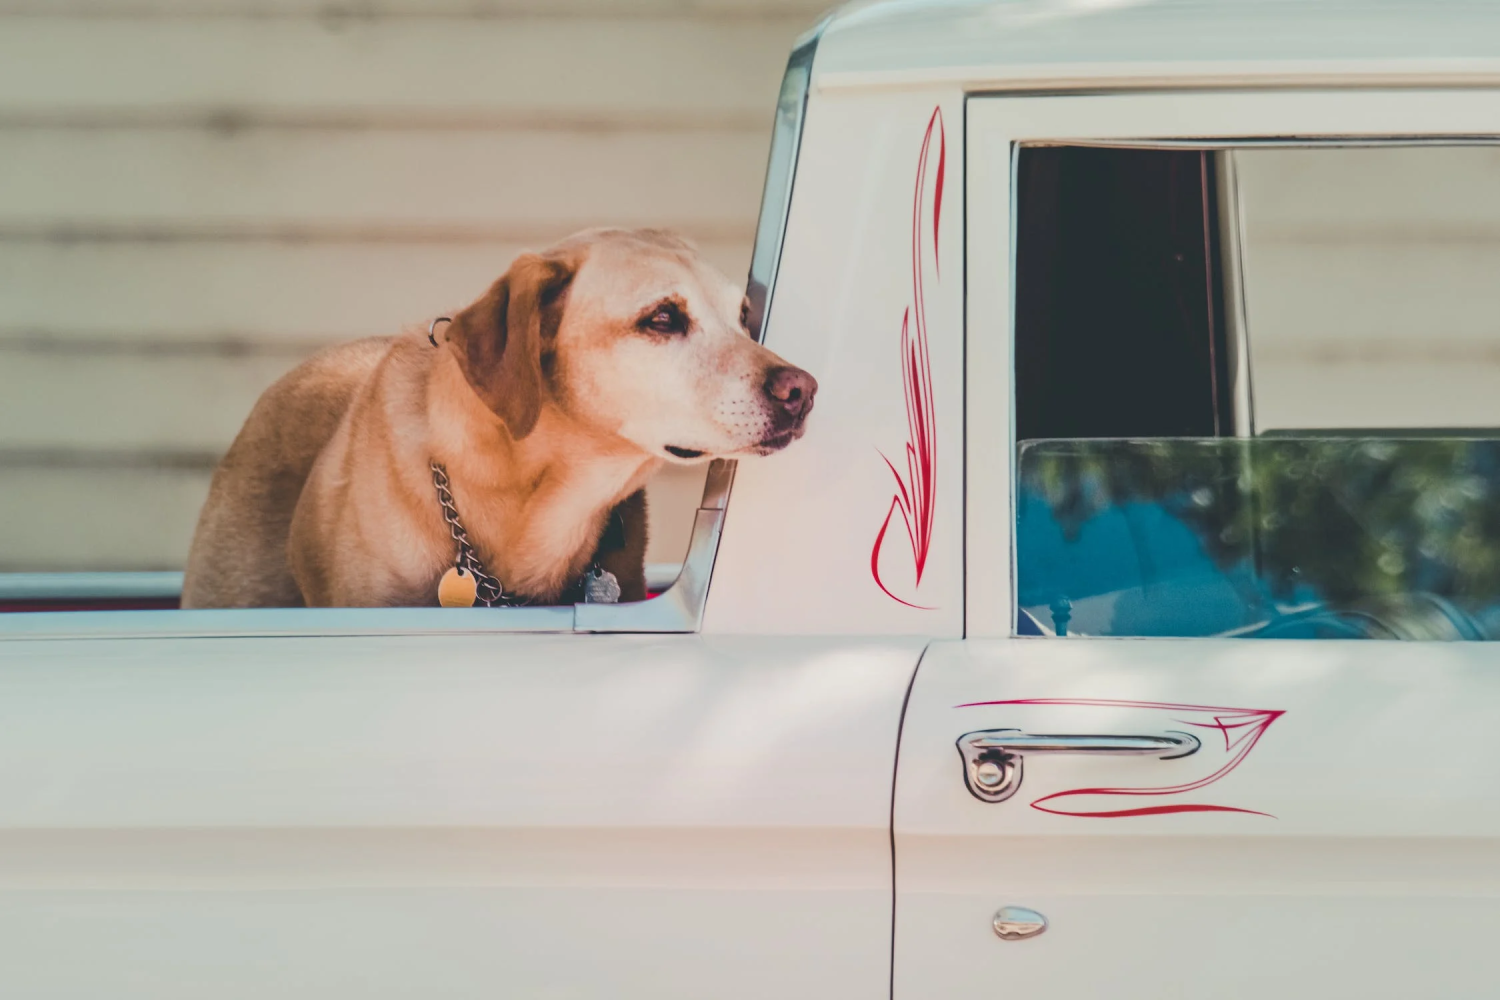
point(533, 508)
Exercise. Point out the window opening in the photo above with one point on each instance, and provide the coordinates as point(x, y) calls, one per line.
point(1353, 492)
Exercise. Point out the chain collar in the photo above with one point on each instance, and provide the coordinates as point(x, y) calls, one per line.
point(597, 584)
point(489, 590)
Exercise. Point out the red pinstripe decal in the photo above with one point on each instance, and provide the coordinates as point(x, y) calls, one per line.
point(916, 491)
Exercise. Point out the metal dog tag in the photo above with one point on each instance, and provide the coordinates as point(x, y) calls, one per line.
point(457, 589)
point(600, 587)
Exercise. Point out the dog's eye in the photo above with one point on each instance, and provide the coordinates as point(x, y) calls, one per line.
point(745, 314)
point(666, 318)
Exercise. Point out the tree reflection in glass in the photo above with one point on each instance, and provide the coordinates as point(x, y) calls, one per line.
point(1265, 537)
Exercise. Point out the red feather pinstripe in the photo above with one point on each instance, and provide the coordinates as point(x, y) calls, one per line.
point(916, 490)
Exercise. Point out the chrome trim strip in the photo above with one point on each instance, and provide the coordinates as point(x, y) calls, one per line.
point(1102, 79)
point(1168, 747)
point(994, 759)
point(781, 174)
point(1276, 142)
point(1012, 241)
point(268, 622)
point(1232, 273)
point(660, 576)
point(716, 486)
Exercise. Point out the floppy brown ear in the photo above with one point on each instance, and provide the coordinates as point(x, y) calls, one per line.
point(499, 340)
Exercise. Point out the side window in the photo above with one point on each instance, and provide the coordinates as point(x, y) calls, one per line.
point(1257, 392)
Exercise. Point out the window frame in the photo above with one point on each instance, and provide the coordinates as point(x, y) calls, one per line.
point(999, 125)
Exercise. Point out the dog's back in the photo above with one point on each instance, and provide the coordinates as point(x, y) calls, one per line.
point(238, 557)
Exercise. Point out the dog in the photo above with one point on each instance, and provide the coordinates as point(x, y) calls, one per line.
point(545, 405)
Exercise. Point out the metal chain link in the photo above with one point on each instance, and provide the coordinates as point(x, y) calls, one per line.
point(489, 591)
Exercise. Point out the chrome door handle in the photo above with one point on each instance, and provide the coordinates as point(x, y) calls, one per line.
point(993, 757)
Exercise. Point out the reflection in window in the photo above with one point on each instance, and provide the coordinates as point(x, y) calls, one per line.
point(1377, 538)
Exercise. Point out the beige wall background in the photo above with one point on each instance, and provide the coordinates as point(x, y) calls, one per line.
point(195, 194)
point(1372, 281)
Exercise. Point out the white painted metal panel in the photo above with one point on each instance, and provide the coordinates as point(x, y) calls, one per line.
point(1040, 44)
point(447, 816)
point(1366, 866)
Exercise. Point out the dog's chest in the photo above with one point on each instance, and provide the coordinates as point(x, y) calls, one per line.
point(540, 544)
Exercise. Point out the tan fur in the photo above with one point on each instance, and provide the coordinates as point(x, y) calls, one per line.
point(238, 558)
point(550, 404)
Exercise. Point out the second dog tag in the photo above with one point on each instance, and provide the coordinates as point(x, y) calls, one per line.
point(600, 587)
point(457, 589)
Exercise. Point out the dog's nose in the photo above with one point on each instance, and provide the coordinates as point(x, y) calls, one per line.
point(792, 390)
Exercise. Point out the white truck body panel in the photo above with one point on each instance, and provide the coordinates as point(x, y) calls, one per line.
point(1370, 865)
point(1041, 45)
point(448, 816)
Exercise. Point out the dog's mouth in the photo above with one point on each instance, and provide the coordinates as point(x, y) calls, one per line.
point(768, 445)
point(776, 442)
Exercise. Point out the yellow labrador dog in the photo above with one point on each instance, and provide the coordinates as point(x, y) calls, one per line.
point(543, 408)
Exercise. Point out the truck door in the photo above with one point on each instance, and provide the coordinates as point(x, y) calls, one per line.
point(1304, 850)
point(1253, 401)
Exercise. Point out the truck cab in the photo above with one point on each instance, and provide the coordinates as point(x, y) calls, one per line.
point(1143, 330)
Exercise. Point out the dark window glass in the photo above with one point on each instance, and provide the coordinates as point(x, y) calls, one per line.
point(1118, 322)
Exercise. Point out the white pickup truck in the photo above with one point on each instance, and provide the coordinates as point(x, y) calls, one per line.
point(1160, 326)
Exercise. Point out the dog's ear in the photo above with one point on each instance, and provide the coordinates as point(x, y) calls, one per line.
point(499, 340)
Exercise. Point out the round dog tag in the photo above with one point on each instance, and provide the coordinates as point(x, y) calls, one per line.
point(457, 589)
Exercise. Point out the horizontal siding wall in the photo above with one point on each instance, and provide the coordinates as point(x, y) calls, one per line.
point(1371, 287)
point(196, 194)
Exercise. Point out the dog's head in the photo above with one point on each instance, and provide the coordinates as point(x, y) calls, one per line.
point(631, 333)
